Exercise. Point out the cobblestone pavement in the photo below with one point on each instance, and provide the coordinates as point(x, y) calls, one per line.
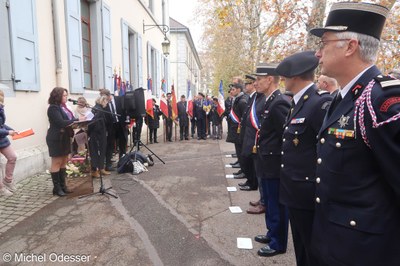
point(32, 194)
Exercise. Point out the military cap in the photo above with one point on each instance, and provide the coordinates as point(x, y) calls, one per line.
point(365, 18)
point(298, 64)
point(249, 79)
point(264, 69)
point(202, 94)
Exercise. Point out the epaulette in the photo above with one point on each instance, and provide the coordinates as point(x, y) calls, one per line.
point(322, 92)
point(387, 81)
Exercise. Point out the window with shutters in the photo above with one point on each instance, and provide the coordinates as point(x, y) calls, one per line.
point(86, 44)
point(19, 64)
point(132, 56)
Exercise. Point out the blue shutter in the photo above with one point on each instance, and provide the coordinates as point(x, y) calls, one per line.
point(25, 45)
point(73, 18)
point(140, 60)
point(107, 52)
point(157, 82)
point(125, 51)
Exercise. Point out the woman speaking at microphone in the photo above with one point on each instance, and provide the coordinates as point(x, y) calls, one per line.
point(58, 138)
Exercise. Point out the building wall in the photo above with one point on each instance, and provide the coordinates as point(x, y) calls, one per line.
point(28, 109)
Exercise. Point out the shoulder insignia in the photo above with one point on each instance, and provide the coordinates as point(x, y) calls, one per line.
point(387, 81)
point(389, 102)
point(321, 92)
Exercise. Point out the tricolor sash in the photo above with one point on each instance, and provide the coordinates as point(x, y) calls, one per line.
point(234, 117)
point(253, 115)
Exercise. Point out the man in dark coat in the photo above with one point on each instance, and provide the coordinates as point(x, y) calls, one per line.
point(183, 119)
point(121, 127)
point(357, 212)
point(153, 122)
point(268, 164)
point(239, 105)
point(168, 120)
point(297, 184)
point(200, 116)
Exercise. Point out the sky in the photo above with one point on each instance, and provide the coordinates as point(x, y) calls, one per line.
point(183, 11)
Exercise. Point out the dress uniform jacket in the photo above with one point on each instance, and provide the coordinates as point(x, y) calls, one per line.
point(182, 115)
point(275, 111)
point(299, 149)
point(239, 106)
point(247, 131)
point(357, 213)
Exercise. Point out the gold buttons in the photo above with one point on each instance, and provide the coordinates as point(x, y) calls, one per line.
point(286, 128)
point(282, 165)
point(317, 200)
point(284, 140)
point(353, 223)
point(306, 177)
point(282, 152)
point(318, 180)
point(296, 132)
point(338, 145)
point(319, 161)
point(322, 141)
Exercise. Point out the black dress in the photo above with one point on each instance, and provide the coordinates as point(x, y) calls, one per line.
point(59, 135)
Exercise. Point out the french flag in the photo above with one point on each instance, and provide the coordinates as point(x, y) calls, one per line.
point(163, 100)
point(221, 100)
point(189, 105)
point(149, 98)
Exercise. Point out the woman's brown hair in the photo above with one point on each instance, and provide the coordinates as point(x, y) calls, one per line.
point(56, 95)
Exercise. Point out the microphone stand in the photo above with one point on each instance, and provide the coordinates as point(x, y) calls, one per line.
point(102, 189)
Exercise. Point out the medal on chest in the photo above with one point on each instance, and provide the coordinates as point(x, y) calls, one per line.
point(343, 121)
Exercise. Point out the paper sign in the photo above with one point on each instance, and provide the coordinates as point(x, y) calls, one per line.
point(244, 243)
point(235, 209)
point(23, 134)
point(228, 156)
point(229, 176)
point(228, 166)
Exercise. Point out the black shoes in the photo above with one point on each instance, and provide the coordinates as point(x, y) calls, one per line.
point(243, 184)
point(247, 188)
point(268, 252)
point(237, 165)
point(262, 239)
point(234, 163)
point(238, 172)
point(239, 176)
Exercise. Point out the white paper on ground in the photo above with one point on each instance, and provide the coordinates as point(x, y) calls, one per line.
point(229, 176)
point(244, 243)
point(231, 189)
point(235, 209)
point(228, 156)
point(228, 166)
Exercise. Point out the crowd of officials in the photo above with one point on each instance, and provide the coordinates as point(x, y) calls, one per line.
point(323, 155)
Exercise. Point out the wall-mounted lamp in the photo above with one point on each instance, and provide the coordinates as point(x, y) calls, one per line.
point(164, 28)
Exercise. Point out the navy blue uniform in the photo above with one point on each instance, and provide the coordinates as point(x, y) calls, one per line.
point(275, 111)
point(298, 167)
point(200, 116)
point(358, 186)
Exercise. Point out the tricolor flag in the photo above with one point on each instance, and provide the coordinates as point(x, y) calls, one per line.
point(123, 89)
point(173, 103)
point(221, 100)
point(189, 104)
point(163, 100)
point(149, 98)
point(115, 76)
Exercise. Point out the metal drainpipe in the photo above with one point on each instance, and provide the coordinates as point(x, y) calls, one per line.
point(57, 48)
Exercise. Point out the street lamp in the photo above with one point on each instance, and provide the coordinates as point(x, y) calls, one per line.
point(164, 28)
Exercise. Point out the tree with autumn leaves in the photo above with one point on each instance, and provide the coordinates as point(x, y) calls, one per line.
point(240, 33)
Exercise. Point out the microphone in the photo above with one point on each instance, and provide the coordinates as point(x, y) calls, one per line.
point(74, 102)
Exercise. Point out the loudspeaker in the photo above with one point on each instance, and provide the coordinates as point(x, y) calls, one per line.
point(140, 102)
point(134, 103)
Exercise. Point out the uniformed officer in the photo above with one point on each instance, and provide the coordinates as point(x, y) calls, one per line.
point(275, 108)
point(299, 148)
point(200, 116)
point(248, 136)
point(239, 103)
point(357, 213)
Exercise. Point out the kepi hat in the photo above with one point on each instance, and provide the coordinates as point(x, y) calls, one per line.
point(365, 18)
point(264, 69)
point(298, 64)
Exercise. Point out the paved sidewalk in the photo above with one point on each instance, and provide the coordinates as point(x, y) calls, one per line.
point(32, 194)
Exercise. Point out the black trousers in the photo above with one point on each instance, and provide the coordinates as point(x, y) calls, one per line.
point(248, 166)
point(97, 148)
point(192, 126)
point(153, 134)
point(201, 128)
point(110, 144)
point(168, 123)
point(121, 133)
point(183, 131)
point(301, 224)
